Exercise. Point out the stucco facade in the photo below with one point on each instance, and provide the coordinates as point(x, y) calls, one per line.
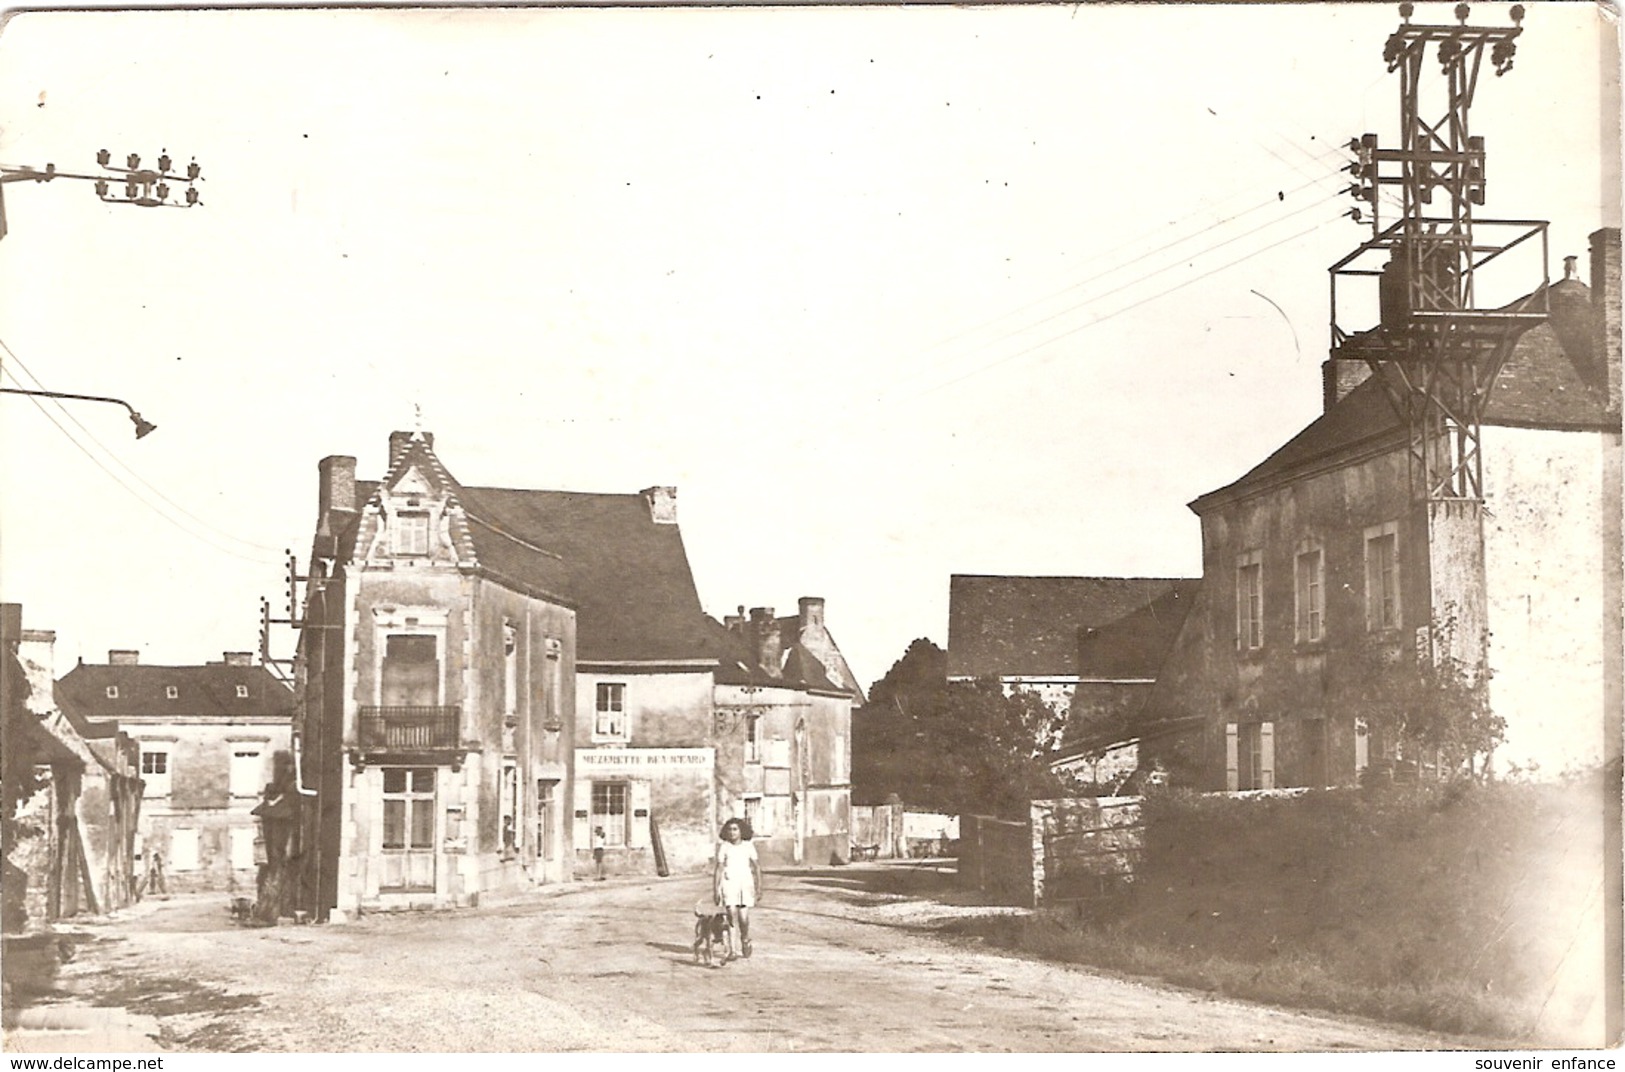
point(439, 697)
point(206, 734)
point(1551, 535)
point(1320, 571)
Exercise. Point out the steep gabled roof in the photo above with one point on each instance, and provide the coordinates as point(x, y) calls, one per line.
point(627, 574)
point(1031, 626)
point(208, 691)
point(1134, 646)
point(1541, 385)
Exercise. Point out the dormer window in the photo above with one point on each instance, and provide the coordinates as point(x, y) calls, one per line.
point(412, 532)
point(171, 692)
point(112, 692)
point(242, 692)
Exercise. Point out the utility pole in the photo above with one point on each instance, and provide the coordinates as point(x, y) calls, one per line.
point(159, 187)
point(1438, 346)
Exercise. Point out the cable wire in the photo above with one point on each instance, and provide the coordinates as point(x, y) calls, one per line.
point(38, 403)
point(125, 465)
point(1124, 309)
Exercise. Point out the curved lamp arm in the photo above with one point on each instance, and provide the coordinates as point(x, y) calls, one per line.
point(142, 425)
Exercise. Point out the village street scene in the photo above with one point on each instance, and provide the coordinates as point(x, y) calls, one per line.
point(811, 529)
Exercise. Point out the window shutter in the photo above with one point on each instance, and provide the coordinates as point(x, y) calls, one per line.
point(1232, 776)
point(583, 814)
point(1266, 755)
point(637, 833)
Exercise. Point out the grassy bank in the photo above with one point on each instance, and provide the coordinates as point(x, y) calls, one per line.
point(1471, 909)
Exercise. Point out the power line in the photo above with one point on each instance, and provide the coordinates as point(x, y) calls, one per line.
point(1131, 283)
point(125, 465)
point(1124, 309)
point(120, 482)
point(1116, 266)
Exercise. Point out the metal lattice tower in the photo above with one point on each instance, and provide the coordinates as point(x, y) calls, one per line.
point(1435, 349)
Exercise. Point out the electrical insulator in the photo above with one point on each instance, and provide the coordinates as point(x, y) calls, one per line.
point(164, 162)
point(191, 197)
point(101, 187)
point(132, 161)
point(192, 171)
point(103, 157)
point(1475, 169)
point(163, 191)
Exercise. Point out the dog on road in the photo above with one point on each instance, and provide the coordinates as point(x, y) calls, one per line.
point(710, 928)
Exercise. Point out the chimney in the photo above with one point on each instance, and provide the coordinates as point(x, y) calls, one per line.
point(736, 621)
point(38, 646)
point(1339, 376)
point(811, 617)
point(335, 492)
point(1605, 301)
point(398, 442)
point(239, 658)
point(11, 623)
point(1571, 321)
point(769, 645)
point(662, 503)
point(123, 657)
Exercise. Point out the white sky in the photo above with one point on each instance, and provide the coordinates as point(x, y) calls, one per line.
point(888, 293)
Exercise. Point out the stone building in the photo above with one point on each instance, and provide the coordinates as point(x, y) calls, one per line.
point(784, 701)
point(206, 734)
point(1319, 557)
point(518, 668)
point(436, 673)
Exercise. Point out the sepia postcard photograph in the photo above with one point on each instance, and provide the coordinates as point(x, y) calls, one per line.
point(659, 528)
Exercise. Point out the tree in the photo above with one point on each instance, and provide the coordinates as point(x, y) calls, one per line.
point(1430, 703)
point(956, 747)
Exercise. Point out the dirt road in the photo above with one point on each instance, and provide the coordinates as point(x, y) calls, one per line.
point(845, 960)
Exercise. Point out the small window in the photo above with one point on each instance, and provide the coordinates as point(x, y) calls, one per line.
point(242, 692)
point(245, 776)
point(412, 533)
point(171, 692)
point(112, 692)
point(610, 720)
point(155, 772)
point(753, 738)
point(1250, 601)
point(1382, 578)
point(1311, 596)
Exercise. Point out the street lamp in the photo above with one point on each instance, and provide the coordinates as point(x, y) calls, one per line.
point(142, 425)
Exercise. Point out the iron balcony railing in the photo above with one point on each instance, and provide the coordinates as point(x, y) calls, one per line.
point(410, 729)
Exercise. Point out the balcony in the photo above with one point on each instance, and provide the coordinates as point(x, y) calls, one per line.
point(414, 730)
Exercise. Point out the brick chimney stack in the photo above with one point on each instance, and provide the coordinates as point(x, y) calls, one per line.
point(811, 617)
point(123, 657)
point(335, 492)
point(764, 627)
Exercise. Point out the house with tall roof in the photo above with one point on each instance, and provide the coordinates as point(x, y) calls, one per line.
point(490, 675)
point(1031, 633)
point(784, 702)
point(1320, 571)
point(206, 735)
point(435, 668)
